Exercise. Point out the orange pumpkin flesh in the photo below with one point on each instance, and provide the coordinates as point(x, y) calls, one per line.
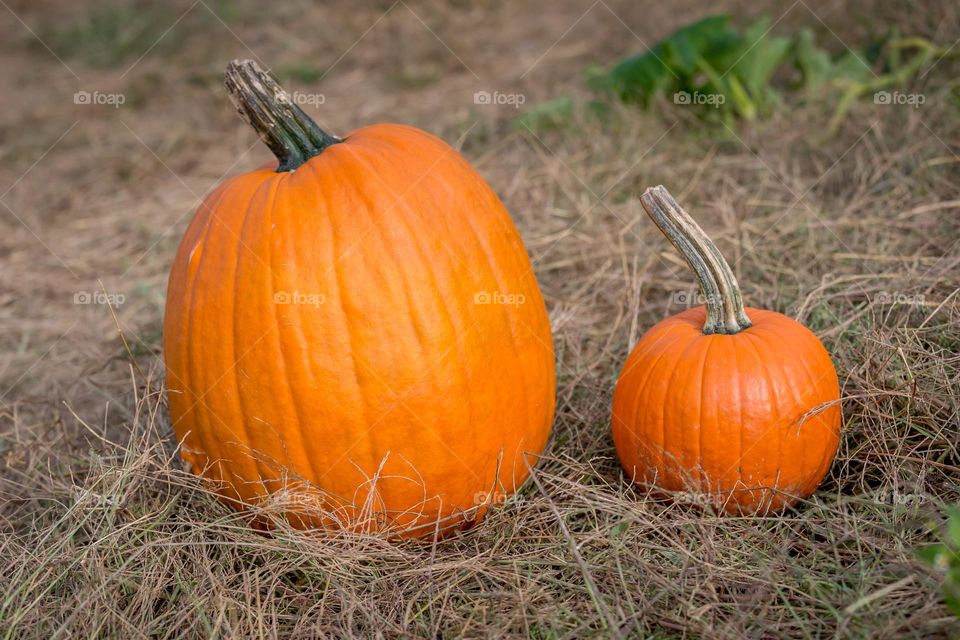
point(746, 417)
point(359, 342)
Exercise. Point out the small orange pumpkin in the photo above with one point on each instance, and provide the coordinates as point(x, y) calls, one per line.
point(356, 339)
point(738, 408)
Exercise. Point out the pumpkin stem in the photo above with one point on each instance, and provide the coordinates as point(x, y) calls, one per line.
point(724, 304)
point(289, 132)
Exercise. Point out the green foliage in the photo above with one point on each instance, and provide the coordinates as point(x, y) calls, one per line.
point(813, 63)
point(946, 557)
point(726, 75)
point(706, 64)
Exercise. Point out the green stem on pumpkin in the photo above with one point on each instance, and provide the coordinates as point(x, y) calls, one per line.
point(289, 132)
point(725, 312)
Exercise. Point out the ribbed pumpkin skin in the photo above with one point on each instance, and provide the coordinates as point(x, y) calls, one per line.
point(394, 395)
point(719, 416)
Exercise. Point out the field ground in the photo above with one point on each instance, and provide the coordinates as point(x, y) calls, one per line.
point(104, 534)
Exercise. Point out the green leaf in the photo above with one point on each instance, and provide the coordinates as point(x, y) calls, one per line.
point(951, 597)
point(670, 64)
point(636, 79)
point(851, 67)
point(546, 115)
point(931, 554)
point(745, 106)
point(894, 58)
point(756, 32)
point(953, 526)
point(731, 90)
point(813, 62)
point(762, 54)
point(707, 38)
point(874, 49)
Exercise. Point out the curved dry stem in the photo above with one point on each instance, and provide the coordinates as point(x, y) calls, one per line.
point(725, 312)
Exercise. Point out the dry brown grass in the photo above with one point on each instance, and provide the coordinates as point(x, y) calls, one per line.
point(104, 534)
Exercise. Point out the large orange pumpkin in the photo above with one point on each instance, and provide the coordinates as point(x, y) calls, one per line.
point(737, 408)
point(355, 339)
